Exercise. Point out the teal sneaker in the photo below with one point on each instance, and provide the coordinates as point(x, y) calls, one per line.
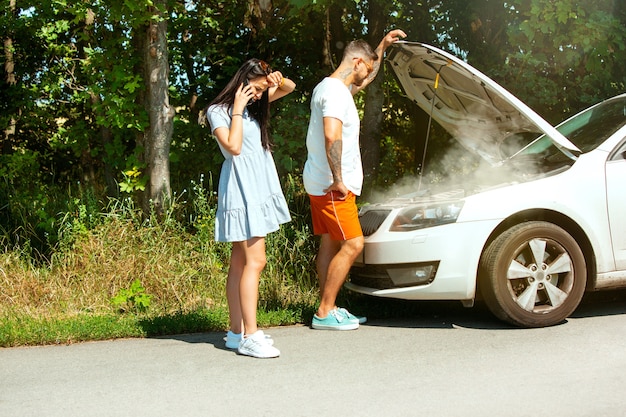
point(350, 316)
point(335, 320)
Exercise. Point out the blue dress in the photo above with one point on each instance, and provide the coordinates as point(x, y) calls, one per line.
point(250, 199)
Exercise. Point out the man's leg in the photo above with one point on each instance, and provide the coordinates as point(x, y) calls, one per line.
point(337, 267)
point(327, 251)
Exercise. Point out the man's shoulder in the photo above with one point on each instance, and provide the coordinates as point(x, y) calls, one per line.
point(322, 85)
point(329, 82)
point(330, 87)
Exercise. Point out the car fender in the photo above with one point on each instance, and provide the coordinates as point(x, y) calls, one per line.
point(559, 194)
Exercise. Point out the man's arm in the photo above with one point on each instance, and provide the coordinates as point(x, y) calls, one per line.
point(387, 40)
point(334, 147)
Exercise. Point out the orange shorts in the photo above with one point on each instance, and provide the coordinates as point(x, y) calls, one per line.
point(339, 218)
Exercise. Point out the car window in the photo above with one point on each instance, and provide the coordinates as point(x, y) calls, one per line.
point(592, 127)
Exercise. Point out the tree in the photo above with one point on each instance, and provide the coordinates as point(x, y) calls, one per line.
point(9, 64)
point(89, 87)
point(376, 15)
point(158, 135)
point(415, 19)
point(568, 54)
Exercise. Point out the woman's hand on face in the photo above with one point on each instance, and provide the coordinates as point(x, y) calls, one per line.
point(274, 79)
point(244, 94)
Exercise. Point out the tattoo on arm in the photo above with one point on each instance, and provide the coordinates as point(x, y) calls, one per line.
point(334, 159)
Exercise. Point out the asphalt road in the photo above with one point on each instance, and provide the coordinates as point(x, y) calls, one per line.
point(447, 361)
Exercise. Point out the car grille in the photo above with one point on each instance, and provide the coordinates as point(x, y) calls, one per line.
point(371, 220)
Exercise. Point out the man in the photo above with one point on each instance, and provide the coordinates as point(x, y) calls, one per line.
point(333, 174)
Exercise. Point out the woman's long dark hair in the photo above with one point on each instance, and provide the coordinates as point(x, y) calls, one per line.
point(260, 109)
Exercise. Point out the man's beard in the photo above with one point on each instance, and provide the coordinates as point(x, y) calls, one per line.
point(359, 82)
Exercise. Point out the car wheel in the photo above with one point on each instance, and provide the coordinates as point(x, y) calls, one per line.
point(533, 275)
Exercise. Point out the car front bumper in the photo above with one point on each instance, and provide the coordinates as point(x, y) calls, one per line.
point(437, 263)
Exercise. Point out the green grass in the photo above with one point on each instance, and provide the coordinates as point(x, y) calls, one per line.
point(18, 330)
point(115, 274)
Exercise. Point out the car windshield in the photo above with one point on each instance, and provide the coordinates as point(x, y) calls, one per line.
point(589, 129)
point(586, 130)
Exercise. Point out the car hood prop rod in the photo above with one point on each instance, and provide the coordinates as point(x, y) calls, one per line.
point(430, 118)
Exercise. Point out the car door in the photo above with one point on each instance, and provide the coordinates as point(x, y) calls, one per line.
point(616, 202)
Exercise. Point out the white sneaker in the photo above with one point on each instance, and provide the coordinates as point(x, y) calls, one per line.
point(233, 339)
point(256, 345)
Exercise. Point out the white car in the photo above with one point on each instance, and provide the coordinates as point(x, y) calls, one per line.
point(545, 222)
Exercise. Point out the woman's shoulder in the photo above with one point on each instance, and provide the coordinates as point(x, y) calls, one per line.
point(219, 111)
point(217, 115)
point(217, 108)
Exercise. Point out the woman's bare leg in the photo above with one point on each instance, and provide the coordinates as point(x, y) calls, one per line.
point(255, 260)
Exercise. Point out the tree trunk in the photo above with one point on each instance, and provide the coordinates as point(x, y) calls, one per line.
point(9, 70)
point(159, 134)
point(374, 99)
point(336, 35)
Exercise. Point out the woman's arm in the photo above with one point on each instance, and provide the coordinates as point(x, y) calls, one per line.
point(231, 138)
point(279, 86)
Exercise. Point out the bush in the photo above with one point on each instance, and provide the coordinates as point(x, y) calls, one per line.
point(116, 263)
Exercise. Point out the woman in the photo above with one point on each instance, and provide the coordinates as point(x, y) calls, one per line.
point(250, 199)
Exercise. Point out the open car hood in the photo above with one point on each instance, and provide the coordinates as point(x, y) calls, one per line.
point(475, 110)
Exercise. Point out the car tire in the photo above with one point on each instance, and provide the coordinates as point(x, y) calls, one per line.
point(529, 293)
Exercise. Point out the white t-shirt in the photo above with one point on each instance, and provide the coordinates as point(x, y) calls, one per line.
point(331, 98)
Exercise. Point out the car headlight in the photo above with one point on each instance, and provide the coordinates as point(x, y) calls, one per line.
point(419, 217)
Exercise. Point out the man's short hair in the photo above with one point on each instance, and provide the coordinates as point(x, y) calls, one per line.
point(359, 49)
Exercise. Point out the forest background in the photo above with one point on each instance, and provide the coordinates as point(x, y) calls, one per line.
point(107, 182)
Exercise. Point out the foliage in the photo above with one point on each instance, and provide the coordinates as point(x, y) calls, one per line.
point(133, 181)
point(72, 172)
point(568, 54)
point(132, 298)
point(78, 97)
point(116, 262)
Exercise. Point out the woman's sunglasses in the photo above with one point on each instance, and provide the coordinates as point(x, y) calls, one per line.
point(265, 67)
